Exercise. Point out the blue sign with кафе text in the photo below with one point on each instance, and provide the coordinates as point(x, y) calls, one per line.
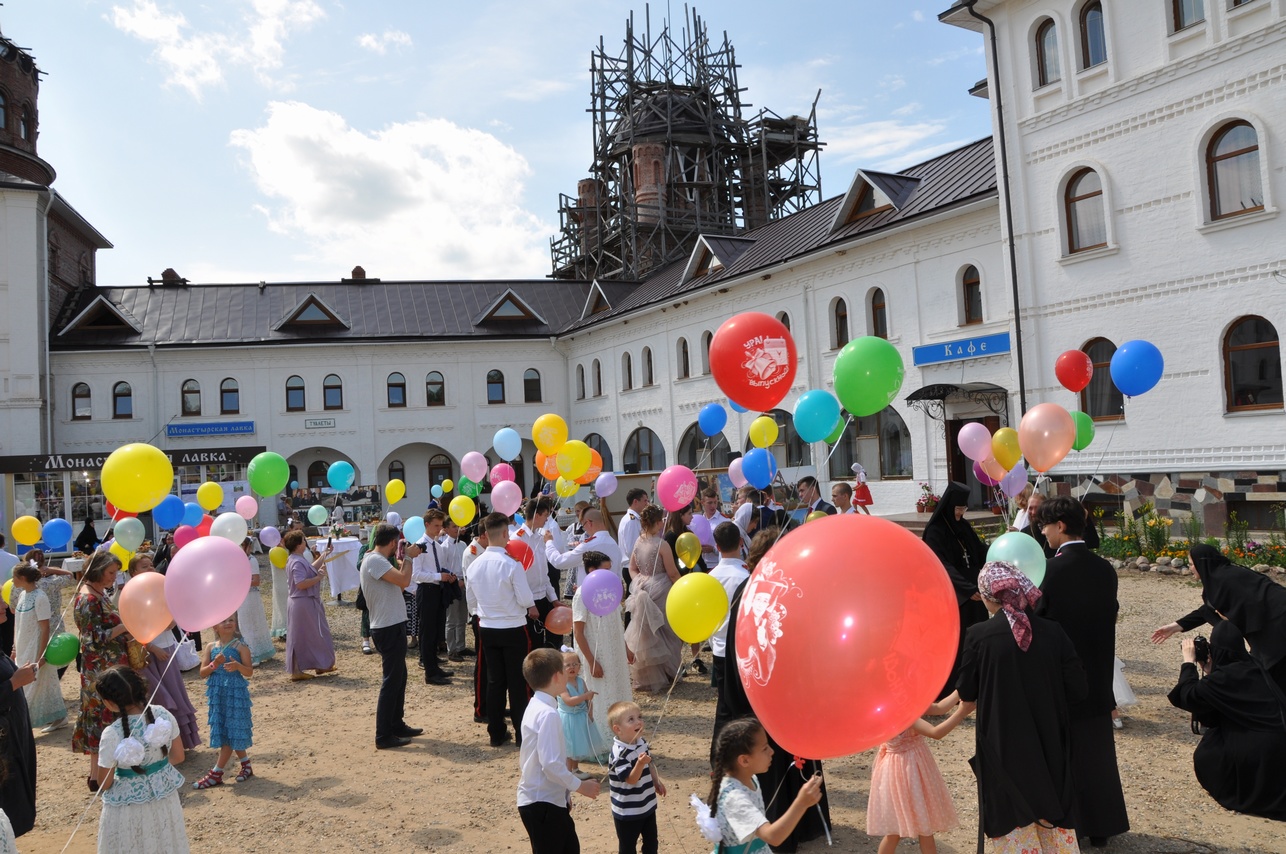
point(965, 348)
point(223, 428)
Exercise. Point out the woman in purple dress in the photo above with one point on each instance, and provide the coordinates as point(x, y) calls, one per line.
point(308, 643)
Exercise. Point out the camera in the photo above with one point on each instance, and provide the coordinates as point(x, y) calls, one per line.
point(1201, 649)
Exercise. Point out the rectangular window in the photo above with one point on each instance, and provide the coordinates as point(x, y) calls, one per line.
point(230, 402)
point(333, 398)
point(1187, 13)
point(294, 400)
point(973, 301)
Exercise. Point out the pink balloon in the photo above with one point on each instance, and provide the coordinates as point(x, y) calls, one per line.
point(734, 473)
point(183, 535)
point(1045, 435)
point(605, 484)
point(206, 583)
point(474, 466)
point(270, 536)
point(676, 487)
point(975, 441)
point(506, 497)
point(701, 527)
point(983, 478)
point(247, 507)
point(502, 472)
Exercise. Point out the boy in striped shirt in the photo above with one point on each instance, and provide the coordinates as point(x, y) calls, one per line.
point(633, 780)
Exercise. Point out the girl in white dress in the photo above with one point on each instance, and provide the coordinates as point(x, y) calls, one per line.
point(600, 641)
point(32, 618)
point(250, 616)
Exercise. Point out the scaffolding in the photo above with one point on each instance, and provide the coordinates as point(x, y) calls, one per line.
point(674, 158)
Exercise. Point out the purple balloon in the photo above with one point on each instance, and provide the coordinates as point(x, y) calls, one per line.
point(605, 485)
point(602, 592)
point(270, 536)
point(983, 478)
point(1015, 481)
point(701, 527)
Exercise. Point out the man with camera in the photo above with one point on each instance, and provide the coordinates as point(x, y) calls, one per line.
point(382, 586)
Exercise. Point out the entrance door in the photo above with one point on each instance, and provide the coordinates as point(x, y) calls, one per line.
point(960, 467)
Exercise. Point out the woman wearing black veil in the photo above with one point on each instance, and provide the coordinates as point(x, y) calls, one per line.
point(963, 554)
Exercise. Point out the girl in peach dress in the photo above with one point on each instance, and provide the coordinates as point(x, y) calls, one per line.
point(908, 796)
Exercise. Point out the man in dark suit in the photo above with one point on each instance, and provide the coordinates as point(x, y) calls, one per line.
point(1033, 527)
point(1080, 595)
point(812, 496)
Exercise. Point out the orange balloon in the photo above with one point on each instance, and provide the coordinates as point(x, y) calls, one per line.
point(559, 620)
point(143, 609)
point(548, 466)
point(594, 470)
point(1046, 433)
point(992, 468)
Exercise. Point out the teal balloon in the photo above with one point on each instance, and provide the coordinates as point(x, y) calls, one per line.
point(268, 473)
point(62, 649)
point(1084, 430)
point(1022, 551)
point(868, 375)
point(468, 487)
point(317, 514)
point(816, 414)
point(340, 475)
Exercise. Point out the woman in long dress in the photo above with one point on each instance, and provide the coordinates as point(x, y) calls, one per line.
point(32, 617)
point(600, 642)
point(962, 553)
point(17, 747)
point(308, 643)
point(164, 680)
point(250, 616)
point(658, 651)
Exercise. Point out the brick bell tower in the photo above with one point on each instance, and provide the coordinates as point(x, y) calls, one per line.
point(19, 116)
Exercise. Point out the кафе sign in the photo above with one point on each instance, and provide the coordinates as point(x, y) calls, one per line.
point(94, 462)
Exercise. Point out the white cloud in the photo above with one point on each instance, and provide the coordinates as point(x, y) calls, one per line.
point(953, 55)
point(879, 140)
point(917, 16)
point(907, 109)
point(381, 43)
point(419, 199)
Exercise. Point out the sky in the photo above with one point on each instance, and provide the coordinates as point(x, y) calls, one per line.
point(291, 140)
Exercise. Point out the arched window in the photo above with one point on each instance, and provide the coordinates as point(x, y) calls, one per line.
point(495, 387)
point(580, 382)
point(1101, 399)
point(317, 475)
point(880, 442)
point(396, 387)
point(697, 450)
point(598, 379)
point(396, 470)
point(332, 392)
point(191, 398)
point(839, 323)
point(1086, 218)
point(80, 402)
point(648, 376)
point(435, 389)
point(531, 386)
point(643, 452)
point(26, 129)
point(440, 469)
point(1047, 70)
point(627, 372)
point(229, 397)
point(1232, 169)
point(682, 356)
point(1252, 362)
point(122, 401)
point(1093, 40)
point(598, 443)
point(879, 314)
point(295, 394)
point(971, 295)
point(1185, 13)
point(784, 318)
point(789, 449)
point(706, 338)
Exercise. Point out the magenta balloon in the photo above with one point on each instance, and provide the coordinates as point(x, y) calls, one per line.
point(247, 507)
point(605, 485)
point(270, 537)
point(183, 535)
point(602, 592)
point(502, 472)
point(206, 583)
point(983, 478)
point(676, 487)
point(974, 441)
point(506, 497)
point(734, 473)
point(474, 466)
point(701, 527)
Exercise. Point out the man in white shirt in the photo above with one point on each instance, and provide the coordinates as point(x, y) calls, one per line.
point(627, 533)
point(842, 495)
point(457, 613)
point(730, 572)
point(596, 540)
point(542, 589)
point(382, 586)
point(468, 556)
point(548, 505)
point(430, 576)
point(498, 593)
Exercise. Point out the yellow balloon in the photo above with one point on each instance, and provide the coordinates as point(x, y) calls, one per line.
point(763, 431)
point(574, 458)
point(7, 590)
point(462, 510)
point(566, 488)
point(209, 495)
point(815, 515)
point(1004, 447)
point(549, 433)
point(688, 548)
point(26, 530)
point(696, 607)
point(137, 477)
point(121, 552)
point(278, 556)
point(447, 485)
point(394, 491)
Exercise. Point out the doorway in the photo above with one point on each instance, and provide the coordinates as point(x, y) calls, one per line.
point(960, 467)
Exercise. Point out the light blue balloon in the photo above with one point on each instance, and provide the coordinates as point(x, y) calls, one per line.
point(712, 419)
point(759, 467)
point(56, 533)
point(169, 513)
point(340, 476)
point(508, 443)
point(294, 484)
point(1022, 551)
point(413, 529)
point(1136, 367)
point(436, 491)
point(192, 514)
point(735, 407)
point(816, 414)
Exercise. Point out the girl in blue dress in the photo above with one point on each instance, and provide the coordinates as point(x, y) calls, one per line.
point(225, 665)
point(576, 711)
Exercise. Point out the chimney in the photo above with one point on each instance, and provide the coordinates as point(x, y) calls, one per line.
point(358, 273)
point(168, 278)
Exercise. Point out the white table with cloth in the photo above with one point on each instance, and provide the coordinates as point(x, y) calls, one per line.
point(342, 568)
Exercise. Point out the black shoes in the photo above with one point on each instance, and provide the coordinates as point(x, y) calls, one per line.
point(410, 731)
point(502, 741)
point(481, 719)
point(436, 679)
point(456, 656)
point(391, 742)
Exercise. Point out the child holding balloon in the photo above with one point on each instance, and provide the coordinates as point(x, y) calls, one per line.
point(32, 617)
point(599, 636)
point(225, 665)
point(576, 712)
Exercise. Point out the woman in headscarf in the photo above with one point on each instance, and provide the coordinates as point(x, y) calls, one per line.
point(1021, 673)
point(962, 553)
point(1241, 760)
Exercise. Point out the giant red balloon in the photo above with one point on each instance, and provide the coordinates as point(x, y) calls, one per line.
point(1074, 370)
point(114, 512)
point(846, 632)
point(752, 358)
point(521, 552)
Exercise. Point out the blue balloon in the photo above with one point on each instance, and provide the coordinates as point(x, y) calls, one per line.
point(340, 476)
point(1136, 367)
point(436, 490)
point(56, 533)
point(759, 467)
point(413, 529)
point(712, 419)
point(169, 513)
point(192, 514)
point(735, 407)
point(294, 484)
point(508, 443)
point(816, 414)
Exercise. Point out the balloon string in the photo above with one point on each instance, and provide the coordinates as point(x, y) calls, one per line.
point(820, 815)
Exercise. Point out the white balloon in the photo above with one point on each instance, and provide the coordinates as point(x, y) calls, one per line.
point(231, 526)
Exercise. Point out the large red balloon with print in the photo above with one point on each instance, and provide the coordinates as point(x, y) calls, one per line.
point(752, 358)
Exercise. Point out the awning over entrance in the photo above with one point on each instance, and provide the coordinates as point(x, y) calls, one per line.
point(932, 399)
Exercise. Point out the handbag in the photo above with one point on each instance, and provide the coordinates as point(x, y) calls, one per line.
point(138, 655)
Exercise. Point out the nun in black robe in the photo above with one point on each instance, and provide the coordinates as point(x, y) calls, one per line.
point(733, 704)
point(1252, 602)
point(17, 753)
point(963, 554)
point(1241, 760)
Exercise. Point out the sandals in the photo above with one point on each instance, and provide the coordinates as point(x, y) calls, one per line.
point(301, 676)
point(246, 771)
point(212, 778)
point(93, 783)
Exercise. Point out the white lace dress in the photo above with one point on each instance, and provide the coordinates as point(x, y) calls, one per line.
point(606, 638)
point(141, 813)
point(8, 845)
point(44, 696)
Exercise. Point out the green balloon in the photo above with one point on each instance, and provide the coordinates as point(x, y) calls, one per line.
point(268, 473)
point(838, 431)
point(868, 375)
point(464, 486)
point(317, 514)
point(62, 649)
point(1084, 430)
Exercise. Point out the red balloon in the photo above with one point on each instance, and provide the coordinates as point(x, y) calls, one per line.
point(521, 552)
point(1074, 370)
point(825, 626)
point(752, 358)
point(559, 620)
point(115, 513)
point(203, 529)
